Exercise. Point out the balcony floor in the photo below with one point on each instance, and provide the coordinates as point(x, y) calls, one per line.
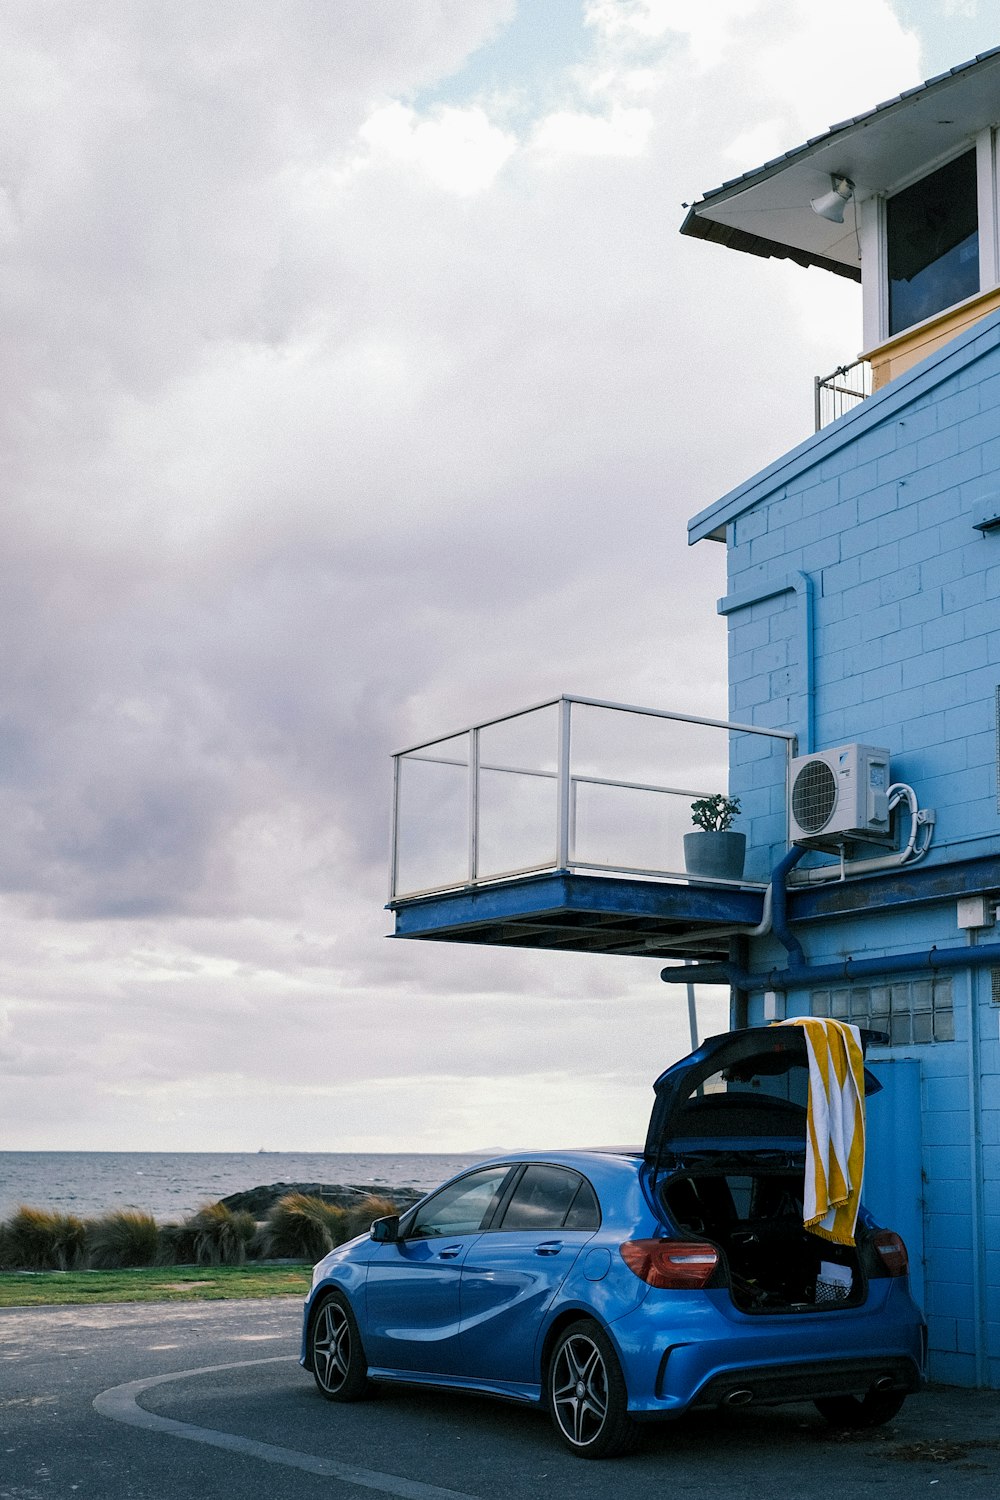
point(585, 914)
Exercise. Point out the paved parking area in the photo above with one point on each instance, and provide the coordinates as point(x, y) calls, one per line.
point(191, 1398)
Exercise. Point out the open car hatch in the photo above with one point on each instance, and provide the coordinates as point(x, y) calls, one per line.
point(743, 1090)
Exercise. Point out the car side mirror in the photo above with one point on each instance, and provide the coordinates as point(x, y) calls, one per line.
point(384, 1231)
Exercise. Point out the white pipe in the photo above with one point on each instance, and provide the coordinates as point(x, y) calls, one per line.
point(897, 793)
point(713, 934)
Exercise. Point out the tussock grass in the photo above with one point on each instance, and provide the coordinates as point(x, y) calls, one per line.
point(220, 1237)
point(175, 1245)
point(302, 1228)
point(361, 1216)
point(36, 1239)
point(298, 1227)
point(126, 1237)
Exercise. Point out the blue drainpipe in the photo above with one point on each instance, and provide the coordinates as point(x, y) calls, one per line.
point(843, 970)
point(779, 904)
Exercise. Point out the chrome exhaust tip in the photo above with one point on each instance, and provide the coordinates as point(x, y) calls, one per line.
point(739, 1398)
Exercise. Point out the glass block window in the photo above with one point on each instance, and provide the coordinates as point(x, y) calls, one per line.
point(911, 1011)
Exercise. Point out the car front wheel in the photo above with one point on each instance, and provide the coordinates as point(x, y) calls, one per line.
point(339, 1366)
point(870, 1410)
point(588, 1398)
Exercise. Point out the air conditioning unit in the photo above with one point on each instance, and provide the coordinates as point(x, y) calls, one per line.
point(836, 796)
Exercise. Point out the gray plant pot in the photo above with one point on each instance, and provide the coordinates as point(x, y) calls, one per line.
point(715, 856)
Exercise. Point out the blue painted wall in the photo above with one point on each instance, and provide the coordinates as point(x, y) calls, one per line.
point(863, 605)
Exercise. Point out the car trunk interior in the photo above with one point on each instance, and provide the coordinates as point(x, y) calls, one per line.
point(731, 1170)
point(754, 1215)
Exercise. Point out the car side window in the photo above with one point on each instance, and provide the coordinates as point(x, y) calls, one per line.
point(551, 1198)
point(585, 1211)
point(460, 1208)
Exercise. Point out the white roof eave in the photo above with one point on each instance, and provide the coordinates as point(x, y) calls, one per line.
point(767, 211)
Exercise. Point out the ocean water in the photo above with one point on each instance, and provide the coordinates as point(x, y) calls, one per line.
point(170, 1184)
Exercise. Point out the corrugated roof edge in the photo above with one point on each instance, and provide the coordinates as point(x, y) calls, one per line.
point(777, 162)
point(755, 244)
point(923, 377)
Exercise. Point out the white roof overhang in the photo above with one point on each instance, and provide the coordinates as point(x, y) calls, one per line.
point(767, 212)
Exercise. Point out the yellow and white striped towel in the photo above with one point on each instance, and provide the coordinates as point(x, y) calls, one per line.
point(835, 1128)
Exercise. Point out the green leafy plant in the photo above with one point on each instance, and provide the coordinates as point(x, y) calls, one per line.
point(715, 814)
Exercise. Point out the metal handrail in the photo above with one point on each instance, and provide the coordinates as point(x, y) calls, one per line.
point(564, 852)
point(857, 387)
point(622, 708)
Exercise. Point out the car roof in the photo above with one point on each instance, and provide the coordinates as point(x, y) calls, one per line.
point(595, 1162)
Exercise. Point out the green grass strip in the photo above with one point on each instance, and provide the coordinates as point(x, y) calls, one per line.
point(152, 1284)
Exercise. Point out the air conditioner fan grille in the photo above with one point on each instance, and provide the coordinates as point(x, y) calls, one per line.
point(814, 796)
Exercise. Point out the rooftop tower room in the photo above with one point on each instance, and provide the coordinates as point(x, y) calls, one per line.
point(902, 199)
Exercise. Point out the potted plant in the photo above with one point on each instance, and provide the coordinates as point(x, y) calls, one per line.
point(715, 852)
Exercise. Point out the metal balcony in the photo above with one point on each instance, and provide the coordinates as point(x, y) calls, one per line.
point(561, 826)
point(841, 391)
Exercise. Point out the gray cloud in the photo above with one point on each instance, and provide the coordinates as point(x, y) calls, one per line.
point(311, 452)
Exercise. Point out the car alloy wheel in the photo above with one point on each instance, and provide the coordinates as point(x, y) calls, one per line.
point(338, 1360)
point(588, 1399)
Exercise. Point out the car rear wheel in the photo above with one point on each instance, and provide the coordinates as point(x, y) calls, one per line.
point(870, 1410)
point(588, 1398)
point(339, 1366)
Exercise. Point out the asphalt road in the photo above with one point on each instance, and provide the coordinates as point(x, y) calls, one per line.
point(184, 1401)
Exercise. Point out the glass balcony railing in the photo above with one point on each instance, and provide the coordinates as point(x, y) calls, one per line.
point(574, 784)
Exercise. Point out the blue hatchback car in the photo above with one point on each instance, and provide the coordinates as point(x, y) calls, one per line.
point(619, 1287)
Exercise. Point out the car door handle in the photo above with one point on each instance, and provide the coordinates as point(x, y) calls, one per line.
point(550, 1247)
point(449, 1252)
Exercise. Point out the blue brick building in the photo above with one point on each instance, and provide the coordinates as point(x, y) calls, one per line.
point(863, 610)
point(863, 606)
point(879, 513)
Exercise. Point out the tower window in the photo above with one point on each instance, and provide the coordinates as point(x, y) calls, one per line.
point(933, 243)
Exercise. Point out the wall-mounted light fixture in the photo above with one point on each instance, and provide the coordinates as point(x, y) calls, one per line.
point(831, 205)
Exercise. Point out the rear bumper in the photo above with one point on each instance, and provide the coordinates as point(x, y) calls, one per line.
point(687, 1350)
point(811, 1380)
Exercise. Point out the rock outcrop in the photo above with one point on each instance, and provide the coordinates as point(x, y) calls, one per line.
point(259, 1200)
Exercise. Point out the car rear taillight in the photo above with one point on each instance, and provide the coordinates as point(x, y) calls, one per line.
point(671, 1263)
point(892, 1252)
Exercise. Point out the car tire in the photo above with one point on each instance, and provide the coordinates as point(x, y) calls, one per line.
point(587, 1395)
point(336, 1354)
point(871, 1410)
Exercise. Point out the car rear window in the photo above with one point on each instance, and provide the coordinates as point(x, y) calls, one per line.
point(730, 1103)
point(552, 1198)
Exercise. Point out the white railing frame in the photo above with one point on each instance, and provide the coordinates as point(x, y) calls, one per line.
point(564, 859)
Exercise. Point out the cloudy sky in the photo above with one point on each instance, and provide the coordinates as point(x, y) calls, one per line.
point(356, 384)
